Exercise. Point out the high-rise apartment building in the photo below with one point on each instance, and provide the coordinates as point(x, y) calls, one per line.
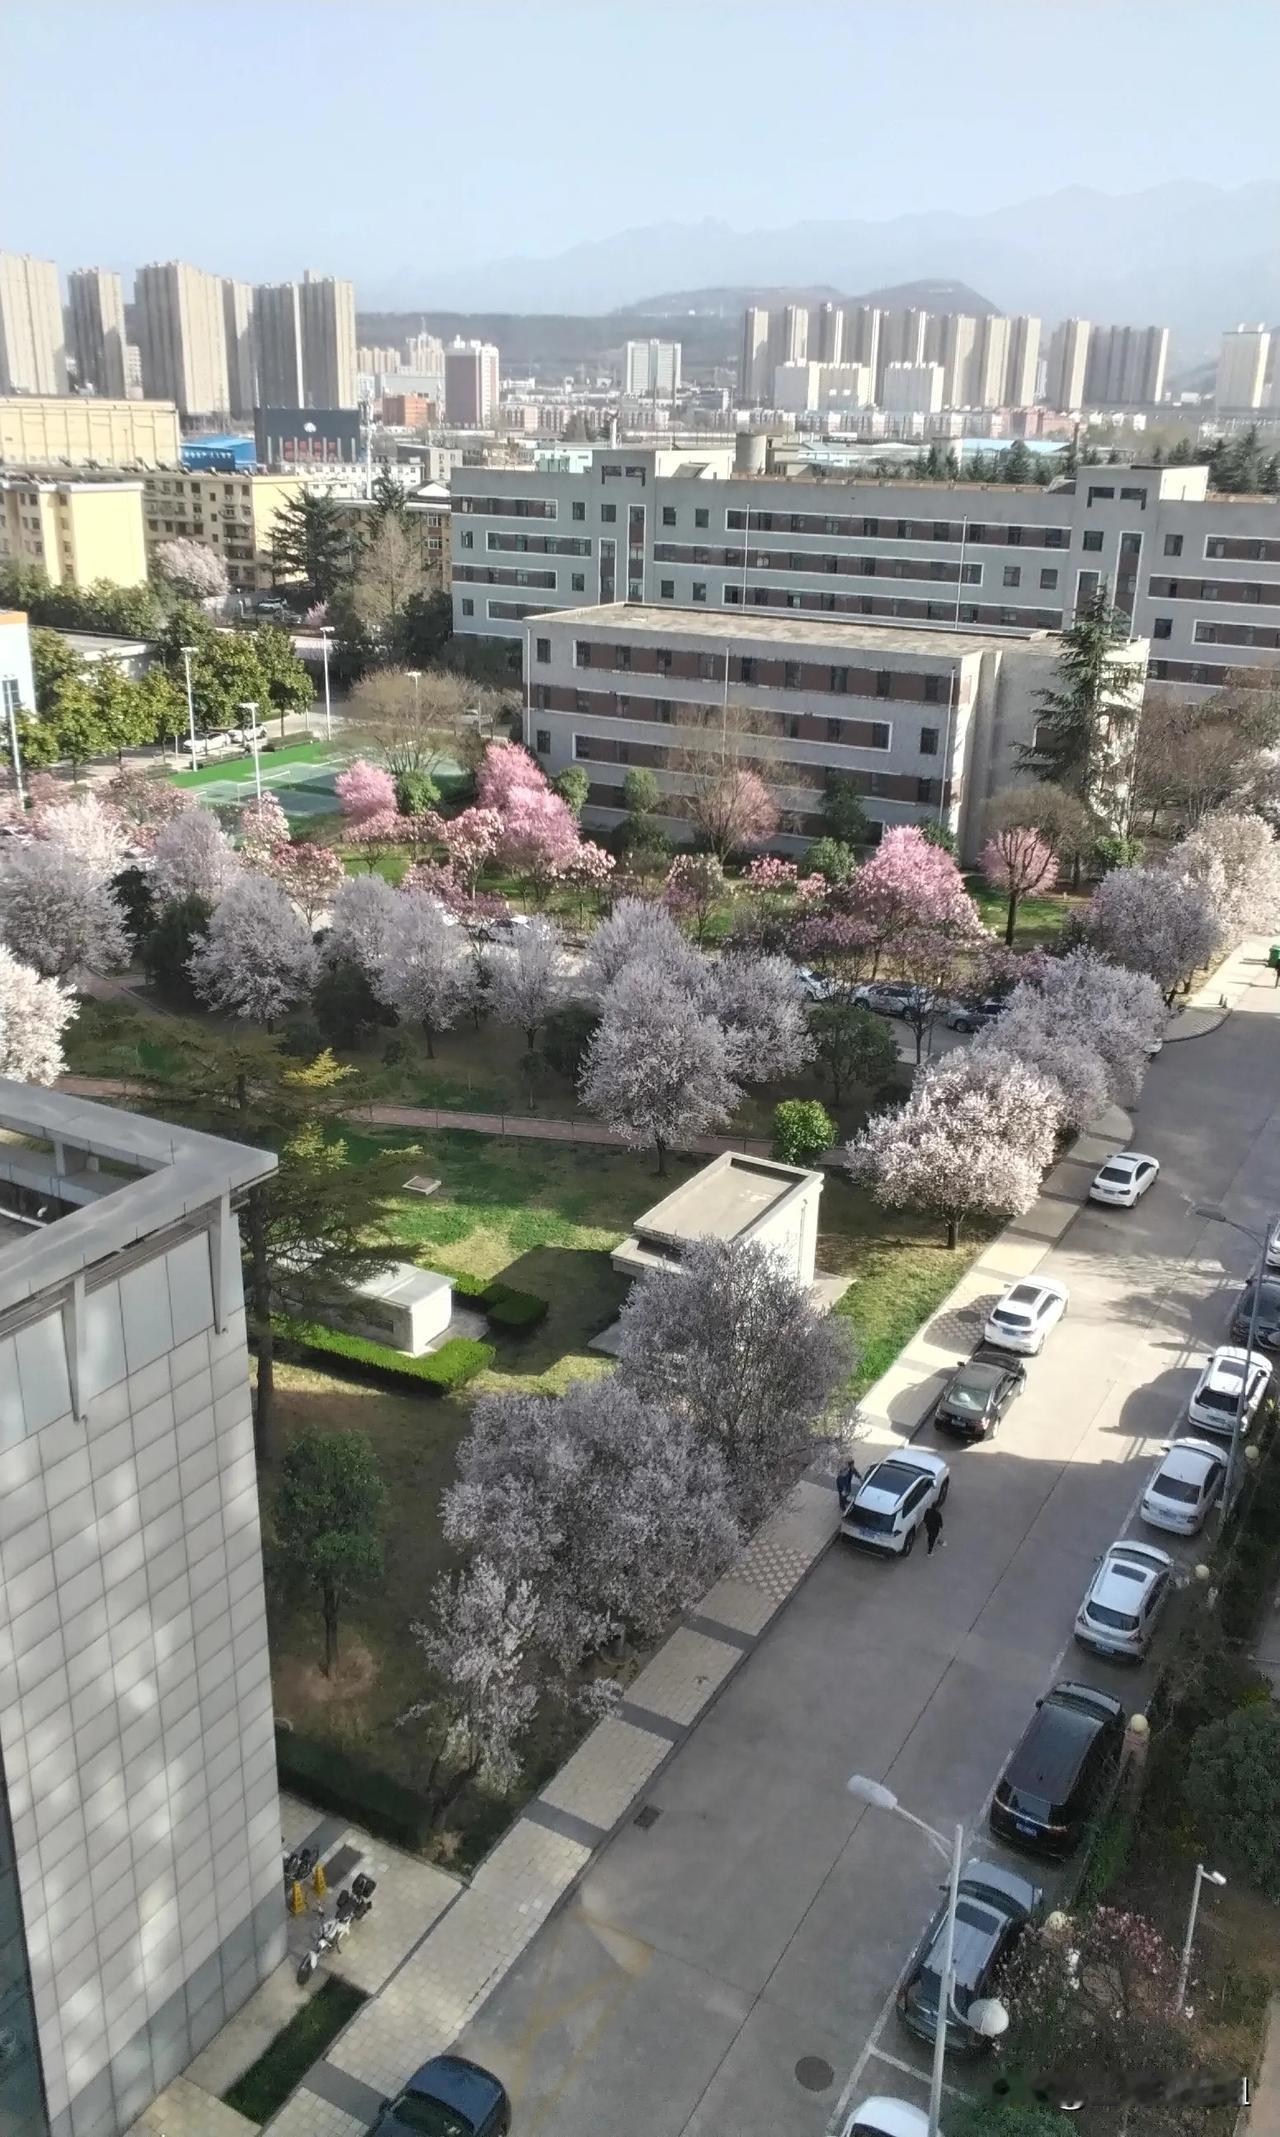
point(328, 312)
point(372, 362)
point(425, 353)
point(33, 351)
point(794, 348)
point(237, 325)
point(471, 383)
point(653, 367)
point(277, 331)
point(830, 334)
point(912, 389)
point(959, 343)
point(862, 329)
point(182, 337)
point(140, 1876)
point(1242, 368)
point(1126, 366)
point(1068, 364)
point(1023, 364)
point(754, 382)
point(95, 306)
point(990, 361)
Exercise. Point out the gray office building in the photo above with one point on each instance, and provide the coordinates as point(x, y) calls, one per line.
point(140, 1890)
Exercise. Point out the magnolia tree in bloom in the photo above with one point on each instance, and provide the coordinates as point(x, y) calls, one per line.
point(1017, 862)
point(770, 877)
point(360, 923)
point(470, 839)
point(192, 858)
point(34, 1013)
point(257, 960)
point(527, 980)
point(732, 1342)
point(1237, 859)
point(60, 916)
point(310, 875)
point(1150, 920)
point(364, 790)
point(87, 830)
point(263, 827)
point(910, 887)
point(761, 1005)
point(695, 885)
point(144, 801)
point(507, 770)
point(375, 834)
point(658, 1069)
point(731, 806)
point(427, 974)
point(539, 839)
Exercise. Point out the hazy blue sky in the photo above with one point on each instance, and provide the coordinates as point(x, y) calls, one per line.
point(377, 138)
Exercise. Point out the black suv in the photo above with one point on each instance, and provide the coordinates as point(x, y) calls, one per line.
point(1059, 1772)
point(979, 1392)
point(993, 1908)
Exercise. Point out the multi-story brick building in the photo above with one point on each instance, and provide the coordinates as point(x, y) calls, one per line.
point(926, 724)
point(74, 528)
point(233, 513)
point(1198, 574)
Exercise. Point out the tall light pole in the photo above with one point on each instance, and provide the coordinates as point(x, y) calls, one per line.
point(9, 692)
point(1203, 1877)
point(250, 706)
point(326, 633)
point(415, 677)
point(985, 2015)
point(187, 653)
point(1216, 1215)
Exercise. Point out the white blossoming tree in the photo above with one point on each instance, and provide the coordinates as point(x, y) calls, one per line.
point(1011, 1099)
point(1120, 1014)
point(60, 916)
point(427, 975)
point(1061, 1057)
point(941, 1161)
point(1149, 920)
point(637, 933)
point(761, 1005)
point(193, 858)
point(478, 1644)
point(89, 830)
point(34, 1013)
point(360, 923)
point(257, 960)
point(658, 1069)
point(1237, 857)
point(732, 1342)
point(527, 980)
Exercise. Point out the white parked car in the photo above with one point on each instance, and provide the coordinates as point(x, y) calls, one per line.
point(248, 735)
point(1025, 1314)
point(1184, 1488)
point(1124, 1179)
point(1273, 1247)
point(1219, 1402)
point(893, 1499)
point(882, 2117)
point(816, 987)
point(1123, 1601)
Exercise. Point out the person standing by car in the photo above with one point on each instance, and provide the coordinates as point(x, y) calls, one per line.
point(847, 1482)
point(933, 1526)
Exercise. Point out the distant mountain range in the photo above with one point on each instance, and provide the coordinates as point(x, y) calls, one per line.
point(1197, 257)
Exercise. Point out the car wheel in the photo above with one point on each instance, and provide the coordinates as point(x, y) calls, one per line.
point(910, 1543)
point(942, 1495)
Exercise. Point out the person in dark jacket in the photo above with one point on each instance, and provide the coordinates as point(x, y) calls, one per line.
point(847, 1482)
point(933, 1527)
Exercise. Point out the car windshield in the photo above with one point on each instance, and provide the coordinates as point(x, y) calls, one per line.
point(1022, 1295)
point(971, 1950)
point(867, 1518)
point(1103, 1614)
point(1176, 1488)
point(1119, 1173)
point(1220, 1398)
point(1025, 1806)
point(969, 1394)
point(1009, 1319)
point(413, 2111)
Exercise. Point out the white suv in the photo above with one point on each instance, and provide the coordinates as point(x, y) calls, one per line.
point(893, 1499)
point(1216, 1404)
point(1025, 1314)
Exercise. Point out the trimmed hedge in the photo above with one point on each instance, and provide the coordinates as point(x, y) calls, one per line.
point(338, 1780)
point(506, 1306)
point(452, 1366)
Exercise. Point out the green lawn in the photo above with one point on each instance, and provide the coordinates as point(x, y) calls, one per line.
point(1040, 920)
point(267, 2084)
point(242, 767)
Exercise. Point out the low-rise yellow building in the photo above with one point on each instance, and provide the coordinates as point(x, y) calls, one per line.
point(79, 431)
point(232, 514)
point(75, 530)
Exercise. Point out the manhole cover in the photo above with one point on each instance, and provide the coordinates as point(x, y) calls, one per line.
point(814, 2074)
point(647, 1817)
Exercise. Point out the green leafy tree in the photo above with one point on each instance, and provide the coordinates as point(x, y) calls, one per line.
point(311, 544)
point(344, 1005)
point(830, 857)
point(1017, 465)
point(1233, 1789)
point(53, 665)
point(1083, 722)
point(77, 725)
point(327, 1518)
point(133, 888)
point(940, 835)
point(1006, 2118)
point(425, 628)
point(802, 1130)
point(285, 685)
point(640, 792)
point(853, 1049)
point(843, 816)
point(167, 947)
point(416, 792)
point(317, 1226)
point(573, 787)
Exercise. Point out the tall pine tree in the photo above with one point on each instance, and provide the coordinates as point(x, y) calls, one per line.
point(1081, 733)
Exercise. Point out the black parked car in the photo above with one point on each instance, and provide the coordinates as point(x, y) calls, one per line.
point(978, 1393)
point(993, 1909)
point(1060, 1770)
point(448, 2097)
point(1267, 1333)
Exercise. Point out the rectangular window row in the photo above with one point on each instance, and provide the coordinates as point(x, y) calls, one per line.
point(497, 575)
point(936, 570)
point(900, 606)
point(860, 528)
point(546, 545)
point(508, 507)
point(1260, 593)
point(1262, 635)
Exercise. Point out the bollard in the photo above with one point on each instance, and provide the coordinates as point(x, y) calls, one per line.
point(297, 1899)
point(319, 1882)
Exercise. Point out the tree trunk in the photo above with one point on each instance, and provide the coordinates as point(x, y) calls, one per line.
point(431, 1043)
point(330, 1602)
point(661, 1148)
point(264, 1335)
point(446, 1797)
point(1012, 920)
point(953, 1233)
point(1077, 865)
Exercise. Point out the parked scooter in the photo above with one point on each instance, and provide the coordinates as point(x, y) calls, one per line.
point(354, 1905)
point(299, 1863)
point(330, 1936)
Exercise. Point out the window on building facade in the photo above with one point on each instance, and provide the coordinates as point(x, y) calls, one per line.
point(579, 509)
point(839, 679)
point(1162, 627)
point(746, 669)
point(662, 659)
point(708, 667)
point(622, 656)
point(699, 590)
point(1092, 538)
point(577, 582)
point(928, 742)
point(791, 675)
point(582, 745)
point(542, 649)
point(582, 653)
point(468, 538)
point(1173, 545)
point(1099, 489)
point(668, 515)
point(932, 689)
point(884, 683)
point(666, 589)
point(1134, 497)
point(701, 516)
point(1013, 575)
point(581, 701)
point(468, 606)
point(608, 513)
point(1048, 579)
point(542, 740)
point(880, 735)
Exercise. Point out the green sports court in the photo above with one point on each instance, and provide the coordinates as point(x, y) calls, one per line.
point(300, 776)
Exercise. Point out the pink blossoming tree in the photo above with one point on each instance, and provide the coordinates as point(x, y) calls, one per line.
point(1019, 863)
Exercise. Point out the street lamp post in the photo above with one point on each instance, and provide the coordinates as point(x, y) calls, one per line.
point(1203, 1877)
point(250, 706)
point(187, 652)
point(9, 692)
point(1216, 1215)
point(326, 633)
point(986, 2015)
point(415, 677)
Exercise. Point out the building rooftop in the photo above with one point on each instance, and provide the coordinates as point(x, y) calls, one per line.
point(98, 1181)
point(727, 1198)
point(73, 479)
point(402, 1283)
point(732, 626)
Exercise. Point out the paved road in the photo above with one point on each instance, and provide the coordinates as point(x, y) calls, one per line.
point(717, 1958)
